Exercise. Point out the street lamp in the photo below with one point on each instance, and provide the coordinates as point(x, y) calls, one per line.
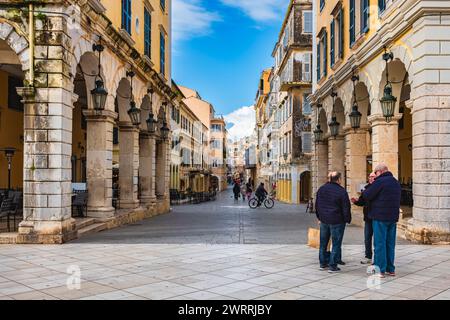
point(165, 129)
point(151, 122)
point(388, 101)
point(334, 125)
point(355, 116)
point(99, 93)
point(318, 134)
point(9, 153)
point(133, 112)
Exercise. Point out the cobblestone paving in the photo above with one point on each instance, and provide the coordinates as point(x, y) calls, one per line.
point(219, 250)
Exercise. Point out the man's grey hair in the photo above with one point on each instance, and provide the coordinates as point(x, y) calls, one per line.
point(334, 176)
point(381, 167)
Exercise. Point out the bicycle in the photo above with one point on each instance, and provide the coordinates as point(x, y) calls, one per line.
point(255, 203)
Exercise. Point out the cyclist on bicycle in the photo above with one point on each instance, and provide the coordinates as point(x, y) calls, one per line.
point(261, 193)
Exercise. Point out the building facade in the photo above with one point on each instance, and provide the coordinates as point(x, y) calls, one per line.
point(218, 145)
point(287, 125)
point(81, 79)
point(386, 63)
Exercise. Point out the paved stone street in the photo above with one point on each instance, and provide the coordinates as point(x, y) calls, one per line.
point(223, 221)
point(207, 252)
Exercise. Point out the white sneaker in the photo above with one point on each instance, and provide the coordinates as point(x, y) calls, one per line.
point(366, 261)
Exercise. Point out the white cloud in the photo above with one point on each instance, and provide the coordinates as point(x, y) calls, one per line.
point(261, 10)
point(191, 19)
point(243, 122)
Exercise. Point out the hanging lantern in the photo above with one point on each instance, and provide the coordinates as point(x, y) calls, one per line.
point(135, 114)
point(388, 103)
point(151, 123)
point(318, 134)
point(99, 95)
point(355, 117)
point(334, 127)
point(165, 131)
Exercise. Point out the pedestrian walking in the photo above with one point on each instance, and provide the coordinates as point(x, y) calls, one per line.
point(333, 212)
point(248, 189)
point(384, 197)
point(368, 226)
point(236, 190)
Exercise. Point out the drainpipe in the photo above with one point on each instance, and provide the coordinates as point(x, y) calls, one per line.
point(32, 37)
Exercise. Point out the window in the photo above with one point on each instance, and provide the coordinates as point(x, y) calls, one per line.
point(332, 42)
point(365, 16)
point(307, 22)
point(322, 4)
point(322, 55)
point(381, 6)
point(306, 105)
point(126, 15)
point(216, 128)
point(215, 144)
point(352, 22)
point(307, 58)
point(162, 52)
point(147, 33)
point(337, 37)
point(163, 5)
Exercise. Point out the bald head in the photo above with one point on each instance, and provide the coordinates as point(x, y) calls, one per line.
point(334, 177)
point(380, 169)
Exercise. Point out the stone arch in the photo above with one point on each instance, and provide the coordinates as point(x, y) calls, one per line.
point(323, 121)
point(398, 74)
point(17, 42)
point(339, 112)
point(146, 106)
point(123, 98)
point(363, 101)
point(81, 48)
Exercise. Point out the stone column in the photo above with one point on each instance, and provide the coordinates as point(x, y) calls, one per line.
point(322, 163)
point(336, 154)
point(128, 165)
point(356, 160)
point(146, 169)
point(431, 130)
point(47, 166)
point(99, 162)
point(385, 142)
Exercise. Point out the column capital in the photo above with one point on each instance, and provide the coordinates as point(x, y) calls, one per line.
point(27, 93)
point(128, 126)
point(93, 115)
point(362, 130)
point(379, 119)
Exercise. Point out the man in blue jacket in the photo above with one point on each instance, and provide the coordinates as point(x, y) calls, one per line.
point(333, 212)
point(384, 197)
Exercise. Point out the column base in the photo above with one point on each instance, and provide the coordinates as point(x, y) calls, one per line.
point(100, 213)
point(46, 232)
point(129, 204)
point(426, 233)
point(147, 200)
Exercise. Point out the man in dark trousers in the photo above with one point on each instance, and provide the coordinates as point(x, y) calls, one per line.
point(333, 212)
point(368, 227)
point(384, 196)
point(261, 193)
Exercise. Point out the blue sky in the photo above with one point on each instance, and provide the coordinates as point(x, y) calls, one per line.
point(220, 48)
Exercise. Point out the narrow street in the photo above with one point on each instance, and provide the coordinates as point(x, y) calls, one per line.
point(223, 221)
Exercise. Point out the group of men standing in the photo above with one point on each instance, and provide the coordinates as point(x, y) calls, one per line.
point(381, 202)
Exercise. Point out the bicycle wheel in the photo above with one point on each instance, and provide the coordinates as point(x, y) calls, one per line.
point(253, 203)
point(269, 203)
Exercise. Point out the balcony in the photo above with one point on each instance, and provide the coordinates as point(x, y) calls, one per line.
point(296, 72)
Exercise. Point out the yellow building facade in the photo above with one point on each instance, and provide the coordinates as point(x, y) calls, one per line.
point(362, 48)
point(66, 137)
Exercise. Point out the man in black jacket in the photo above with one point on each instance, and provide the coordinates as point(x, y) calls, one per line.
point(384, 196)
point(368, 228)
point(333, 212)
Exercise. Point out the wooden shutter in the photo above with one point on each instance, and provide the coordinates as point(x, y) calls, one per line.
point(332, 41)
point(341, 33)
point(352, 22)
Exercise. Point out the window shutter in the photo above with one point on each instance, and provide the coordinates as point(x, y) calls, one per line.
point(318, 62)
point(306, 67)
point(306, 142)
point(364, 16)
point(341, 33)
point(352, 22)
point(325, 50)
point(307, 27)
point(332, 38)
